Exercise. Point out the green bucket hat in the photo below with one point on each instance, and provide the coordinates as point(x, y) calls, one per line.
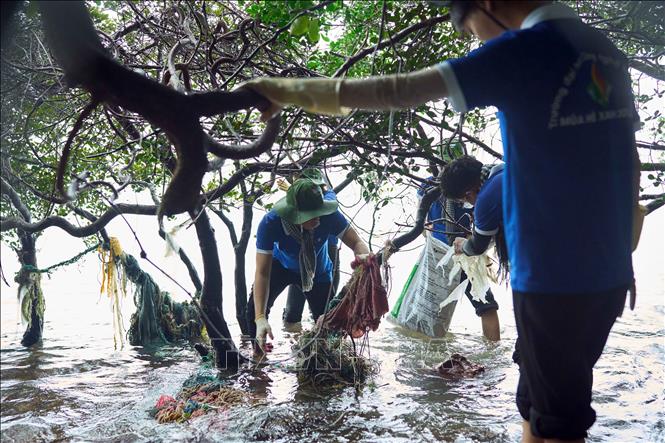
point(314, 175)
point(304, 201)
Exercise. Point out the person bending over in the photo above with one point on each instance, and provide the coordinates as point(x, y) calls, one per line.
point(291, 249)
point(295, 301)
point(447, 232)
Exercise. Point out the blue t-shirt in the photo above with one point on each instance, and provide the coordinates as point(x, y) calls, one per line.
point(272, 239)
point(330, 195)
point(436, 212)
point(488, 212)
point(568, 116)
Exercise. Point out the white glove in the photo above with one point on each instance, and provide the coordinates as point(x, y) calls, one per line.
point(262, 329)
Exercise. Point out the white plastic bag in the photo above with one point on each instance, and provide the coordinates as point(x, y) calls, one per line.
point(476, 270)
point(421, 307)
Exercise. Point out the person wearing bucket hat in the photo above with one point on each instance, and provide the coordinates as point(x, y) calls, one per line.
point(570, 186)
point(291, 249)
point(295, 300)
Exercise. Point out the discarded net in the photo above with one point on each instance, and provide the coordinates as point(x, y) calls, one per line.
point(364, 303)
point(114, 285)
point(158, 319)
point(197, 401)
point(325, 357)
point(329, 360)
point(201, 393)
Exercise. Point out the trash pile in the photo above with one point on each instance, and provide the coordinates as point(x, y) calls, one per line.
point(458, 366)
point(329, 360)
point(197, 401)
point(324, 356)
point(201, 393)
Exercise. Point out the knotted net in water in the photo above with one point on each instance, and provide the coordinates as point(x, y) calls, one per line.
point(325, 358)
point(158, 319)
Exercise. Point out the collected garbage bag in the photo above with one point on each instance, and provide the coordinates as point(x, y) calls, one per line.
point(418, 307)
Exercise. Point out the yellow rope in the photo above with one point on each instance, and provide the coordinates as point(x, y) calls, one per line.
point(114, 280)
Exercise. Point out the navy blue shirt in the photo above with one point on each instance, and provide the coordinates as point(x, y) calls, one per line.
point(567, 115)
point(488, 210)
point(272, 239)
point(330, 195)
point(436, 212)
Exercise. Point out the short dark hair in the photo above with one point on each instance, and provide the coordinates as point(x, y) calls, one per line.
point(459, 11)
point(459, 176)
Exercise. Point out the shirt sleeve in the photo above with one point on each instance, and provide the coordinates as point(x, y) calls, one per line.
point(265, 236)
point(488, 212)
point(329, 195)
point(336, 224)
point(487, 76)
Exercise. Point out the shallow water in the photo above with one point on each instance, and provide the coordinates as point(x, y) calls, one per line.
point(76, 387)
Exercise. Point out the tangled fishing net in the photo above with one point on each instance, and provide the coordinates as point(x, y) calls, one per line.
point(114, 284)
point(202, 393)
point(325, 358)
point(364, 302)
point(329, 360)
point(158, 319)
point(197, 401)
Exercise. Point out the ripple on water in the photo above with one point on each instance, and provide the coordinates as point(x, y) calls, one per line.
point(68, 391)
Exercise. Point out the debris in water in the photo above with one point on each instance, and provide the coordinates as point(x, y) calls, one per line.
point(196, 401)
point(458, 366)
point(330, 360)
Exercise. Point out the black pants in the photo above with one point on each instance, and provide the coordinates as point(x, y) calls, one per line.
point(280, 278)
point(295, 302)
point(560, 338)
point(480, 307)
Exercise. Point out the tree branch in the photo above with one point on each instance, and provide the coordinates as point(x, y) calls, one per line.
point(7, 223)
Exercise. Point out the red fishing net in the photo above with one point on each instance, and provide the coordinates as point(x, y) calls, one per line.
point(364, 303)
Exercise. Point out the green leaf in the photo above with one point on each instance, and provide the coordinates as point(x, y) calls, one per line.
point(300, 26)
point(313, 32)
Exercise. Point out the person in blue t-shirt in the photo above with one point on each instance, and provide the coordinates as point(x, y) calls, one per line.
point(292, 249)
point(447, 231)
point(295, 301)
point(570, 186)
point(468, 180)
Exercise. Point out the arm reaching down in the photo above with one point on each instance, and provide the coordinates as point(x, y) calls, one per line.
point(261, 284)
point(353, 241)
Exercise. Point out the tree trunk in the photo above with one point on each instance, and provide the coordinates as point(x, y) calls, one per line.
point(227, 355)
point(240, 251)
point(30, 286)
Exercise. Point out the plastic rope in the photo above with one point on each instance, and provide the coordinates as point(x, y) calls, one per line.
point(48, 270)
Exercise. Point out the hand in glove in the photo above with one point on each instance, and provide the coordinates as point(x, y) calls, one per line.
point(263, 329)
